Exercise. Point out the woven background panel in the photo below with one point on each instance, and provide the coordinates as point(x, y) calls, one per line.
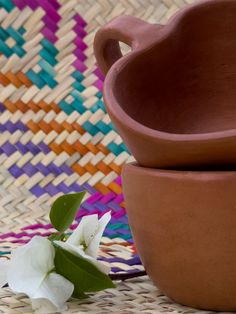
point(56, 138)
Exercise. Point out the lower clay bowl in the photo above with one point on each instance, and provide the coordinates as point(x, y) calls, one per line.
point(184, 227)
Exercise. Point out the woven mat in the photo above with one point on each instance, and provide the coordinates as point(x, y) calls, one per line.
point(56, 138)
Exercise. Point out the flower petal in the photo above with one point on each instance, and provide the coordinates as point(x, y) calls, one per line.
point(4, 266)
point(85, 231)
point(93, 246)
point(43, 306)
point(77, 250)
point(29, 265)
point(52, 294)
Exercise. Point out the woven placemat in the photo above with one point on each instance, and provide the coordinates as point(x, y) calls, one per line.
point(56, 138)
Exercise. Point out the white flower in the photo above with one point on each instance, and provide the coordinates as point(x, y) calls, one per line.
point(30, 271)
point(86, 238)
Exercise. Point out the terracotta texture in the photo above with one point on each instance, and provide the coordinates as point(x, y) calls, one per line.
point(173, 98)
point(183, 224)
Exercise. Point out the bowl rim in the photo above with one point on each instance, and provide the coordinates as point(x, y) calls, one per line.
point(205, 175)
point(133, 125)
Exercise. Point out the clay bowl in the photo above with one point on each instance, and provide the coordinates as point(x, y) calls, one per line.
point(173, 97)
point(183, 223)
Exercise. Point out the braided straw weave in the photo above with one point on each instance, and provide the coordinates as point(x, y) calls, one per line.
point(56, 138)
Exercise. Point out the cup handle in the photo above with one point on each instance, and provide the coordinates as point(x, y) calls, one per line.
point(127, 29)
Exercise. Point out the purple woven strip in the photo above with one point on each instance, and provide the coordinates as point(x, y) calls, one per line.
point(80, 66)
point(8, 148)
point(2, 107)
point(44, 148)
point(95, 197)
point(118, 180)
point(55, 4)
point(116, 207)
point(80, 20)
point(21, 148)
point(123, 220)
point(79, 54)
point(50, 23)
point(49, 34)
point(108, 197)
point(20, 4)
point(79, 31)
point(37, 190)
point(101, 206)
point(80, 44)
point(99, 84)
point(99, 74)
point(32, 4)
point(51, 11)
point(38, 226)
point(12, 127)
point(119, 199)
point(120, 213)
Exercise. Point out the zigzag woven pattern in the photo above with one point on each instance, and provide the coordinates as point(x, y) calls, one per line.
point(56, 136)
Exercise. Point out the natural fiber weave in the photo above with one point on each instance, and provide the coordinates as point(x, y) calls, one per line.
point(56, 137)
point(131, 297)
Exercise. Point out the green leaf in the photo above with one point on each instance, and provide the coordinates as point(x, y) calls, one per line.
point(84, 275)
point(79, 295)
point(57, 236)
point(54, 236)
point(64, 210)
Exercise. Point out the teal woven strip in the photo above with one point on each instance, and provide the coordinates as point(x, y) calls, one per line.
point(45, 54)
point(117, 150)
point(99, 94)
point(35, 79)
point(15, 35)
point(78, 106)
point(122, 236)
point(3, 34)
point(5, 49)
point(5, 253)
point(19, 50)
point(8, 5)
point(65, 107)
point(47, 78)
point(49, 47)
point(21, 30)
point(47, 67)
point(103, 127)
point(90, 128)
point(118, 226)
point(101, 105)
point(78, 76)
point(78, 86)
point(77, 96)
point(124, 148)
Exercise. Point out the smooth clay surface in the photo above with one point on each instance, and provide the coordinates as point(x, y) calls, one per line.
point(183, 225)
point(173, 98)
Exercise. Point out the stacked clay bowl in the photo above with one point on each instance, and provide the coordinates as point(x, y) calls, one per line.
point(173, 101)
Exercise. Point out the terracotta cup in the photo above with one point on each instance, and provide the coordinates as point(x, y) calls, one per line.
point(183, 225)
point(173, 97)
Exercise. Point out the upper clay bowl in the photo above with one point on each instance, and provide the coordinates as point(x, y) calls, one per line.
point(173, 97)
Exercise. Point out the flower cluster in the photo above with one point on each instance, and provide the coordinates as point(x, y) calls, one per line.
point(52, 270)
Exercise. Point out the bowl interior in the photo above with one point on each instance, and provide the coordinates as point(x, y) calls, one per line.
point(186, 83)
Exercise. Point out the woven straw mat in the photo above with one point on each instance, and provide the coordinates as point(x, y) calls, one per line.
point(56, 138)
